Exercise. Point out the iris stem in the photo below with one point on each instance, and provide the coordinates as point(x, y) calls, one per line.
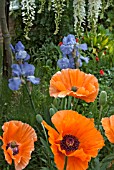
point(65, 165)
point(30, 97)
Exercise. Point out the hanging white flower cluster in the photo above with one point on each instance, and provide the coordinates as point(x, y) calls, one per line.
point(58, 7)
point(79, 14)
point(28, 15)
point(42, 5)
point(83, 10)
point(94, 8)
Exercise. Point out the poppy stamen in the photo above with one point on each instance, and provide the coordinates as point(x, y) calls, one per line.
point(74, 88)
point(14, 147)
point(69, 143)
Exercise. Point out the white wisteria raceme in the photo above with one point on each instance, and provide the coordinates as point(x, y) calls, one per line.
point(28, 14)
point(94, 8)
point(79, 14)
point(58, 8)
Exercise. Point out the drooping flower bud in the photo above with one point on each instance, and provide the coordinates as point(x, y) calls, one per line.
point(52, 112)
point(39, 118)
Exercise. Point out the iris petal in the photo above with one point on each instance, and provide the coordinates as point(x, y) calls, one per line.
point(27, 69)
point(33, 79)
point(14, 83)
point(63, 63)
point(19, 46)
point(82, 46)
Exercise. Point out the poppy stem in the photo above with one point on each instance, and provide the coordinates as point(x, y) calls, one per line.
point(100, 115)
point(44, 132)
point(75, 103)
point(65, 165)
point(30, 97)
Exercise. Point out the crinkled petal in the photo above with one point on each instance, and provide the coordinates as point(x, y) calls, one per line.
point(108, 125)
point(72, 123)
point(16, 70)
point(27, 57)
point(19, 46)
point(20, 55)
point(82, 46)
point(33, 79)
point(63, 63)
point(27, 69)
point(86, 85)
point(24, 136)
point(14, 83)
point(86, 59)
point(66, 49)
point(70, 39)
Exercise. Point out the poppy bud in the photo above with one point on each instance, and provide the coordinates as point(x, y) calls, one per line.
point(39, 118)
point(52, 111)
point(103, 98)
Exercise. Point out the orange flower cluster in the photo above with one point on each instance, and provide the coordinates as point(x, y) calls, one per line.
point(75, 137)
point(73, 82)
point(18, 143)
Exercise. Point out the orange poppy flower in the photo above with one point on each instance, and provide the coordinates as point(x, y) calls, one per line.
point(18, 143)
point(108, 125)
point(73, 82)
point(75, 137)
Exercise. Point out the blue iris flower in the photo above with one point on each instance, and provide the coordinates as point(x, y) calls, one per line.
point(68, 44)
point(70, 49)
point(14, 83)
point(20, 71)
point(19, 51)
point(63, 63)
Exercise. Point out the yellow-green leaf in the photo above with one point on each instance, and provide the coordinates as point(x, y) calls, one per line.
point(104, 42)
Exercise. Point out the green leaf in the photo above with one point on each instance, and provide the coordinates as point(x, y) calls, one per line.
point(94, 41)
point(45, 168)
point(106, 161)
point(46, 145)
point(104, 42)
point(55, 109)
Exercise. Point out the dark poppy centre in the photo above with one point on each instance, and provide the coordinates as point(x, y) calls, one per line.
point(74, 88)
point(14, 147)
point(69, 143)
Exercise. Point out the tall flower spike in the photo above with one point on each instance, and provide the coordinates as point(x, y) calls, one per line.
point(75, 137)
point(62, 84)
point(18, 143)
point(79, 15)
point(28, 15)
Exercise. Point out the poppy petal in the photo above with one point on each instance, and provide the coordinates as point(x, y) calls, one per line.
point(108, 125)
point(81, 130)
point(18, 143)
point(86, 85)
point(76, 164)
